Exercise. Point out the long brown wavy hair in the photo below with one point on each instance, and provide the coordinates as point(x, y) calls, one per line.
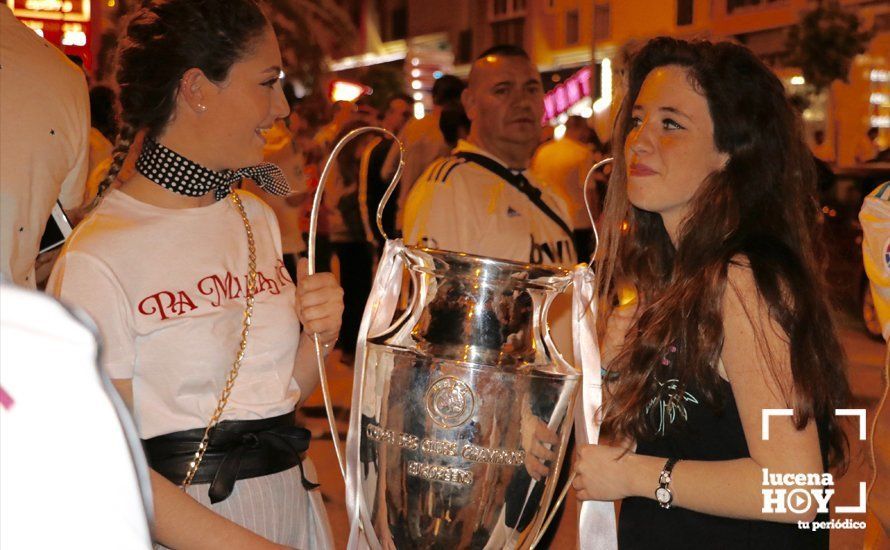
point(760, 206)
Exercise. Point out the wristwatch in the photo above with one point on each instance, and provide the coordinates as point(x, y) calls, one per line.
point(663, 494)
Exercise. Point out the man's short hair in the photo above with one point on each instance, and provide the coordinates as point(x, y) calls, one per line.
point(447, 88)
point(504, 50)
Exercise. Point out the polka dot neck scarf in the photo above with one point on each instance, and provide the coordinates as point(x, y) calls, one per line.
point(172, 171)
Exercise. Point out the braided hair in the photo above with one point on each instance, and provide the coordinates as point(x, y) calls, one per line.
point(163, 40)
point(122, 144)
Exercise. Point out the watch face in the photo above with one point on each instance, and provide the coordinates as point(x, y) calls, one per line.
point(663, 495)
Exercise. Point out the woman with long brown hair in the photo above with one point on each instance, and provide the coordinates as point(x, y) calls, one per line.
point(711, 217)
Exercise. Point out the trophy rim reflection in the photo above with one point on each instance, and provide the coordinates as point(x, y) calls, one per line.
point(556, 272)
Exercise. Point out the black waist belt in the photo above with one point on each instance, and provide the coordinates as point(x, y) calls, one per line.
point(238, 449)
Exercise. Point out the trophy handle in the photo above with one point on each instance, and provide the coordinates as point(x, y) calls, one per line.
point(326, 173)
point(313, 230)
point(563, 406)
point(596, 237)
point(554, 508)
point(413, 297)
point(549, 301)
point(392, 184)
point(545, 323)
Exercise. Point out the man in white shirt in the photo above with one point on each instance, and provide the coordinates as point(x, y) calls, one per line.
point(483, 199)
point(44, 142)
point(562, 165)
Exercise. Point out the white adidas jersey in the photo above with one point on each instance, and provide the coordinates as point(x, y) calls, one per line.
point(460, 206)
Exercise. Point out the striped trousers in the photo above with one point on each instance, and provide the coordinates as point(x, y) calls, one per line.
point(276, 507)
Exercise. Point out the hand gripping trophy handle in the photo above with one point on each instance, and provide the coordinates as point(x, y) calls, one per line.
point(313, 230)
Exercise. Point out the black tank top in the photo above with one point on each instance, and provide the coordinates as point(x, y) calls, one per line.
point(706, 434)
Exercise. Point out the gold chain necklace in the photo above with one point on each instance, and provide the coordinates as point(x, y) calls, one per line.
point(236, 366)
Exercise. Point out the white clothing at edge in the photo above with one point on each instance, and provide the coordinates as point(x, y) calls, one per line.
point(166, 288)
point(67, 444)
point(875, 219)
point(467, 208)
point(44, 141)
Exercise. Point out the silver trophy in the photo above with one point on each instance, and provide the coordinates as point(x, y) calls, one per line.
point(451, 399)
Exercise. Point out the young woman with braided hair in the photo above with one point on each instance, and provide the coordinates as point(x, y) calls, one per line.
point(184, 278)
point(710, 214)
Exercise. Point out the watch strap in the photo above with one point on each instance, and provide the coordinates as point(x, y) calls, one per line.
point(664, 483)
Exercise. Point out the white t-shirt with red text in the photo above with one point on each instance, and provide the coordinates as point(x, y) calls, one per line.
point(166, 288)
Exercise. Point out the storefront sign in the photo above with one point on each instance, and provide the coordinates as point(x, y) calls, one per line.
point(574, 89)
point(59, 10)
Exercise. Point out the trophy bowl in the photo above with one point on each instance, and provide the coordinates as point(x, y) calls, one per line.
point(459, 398)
